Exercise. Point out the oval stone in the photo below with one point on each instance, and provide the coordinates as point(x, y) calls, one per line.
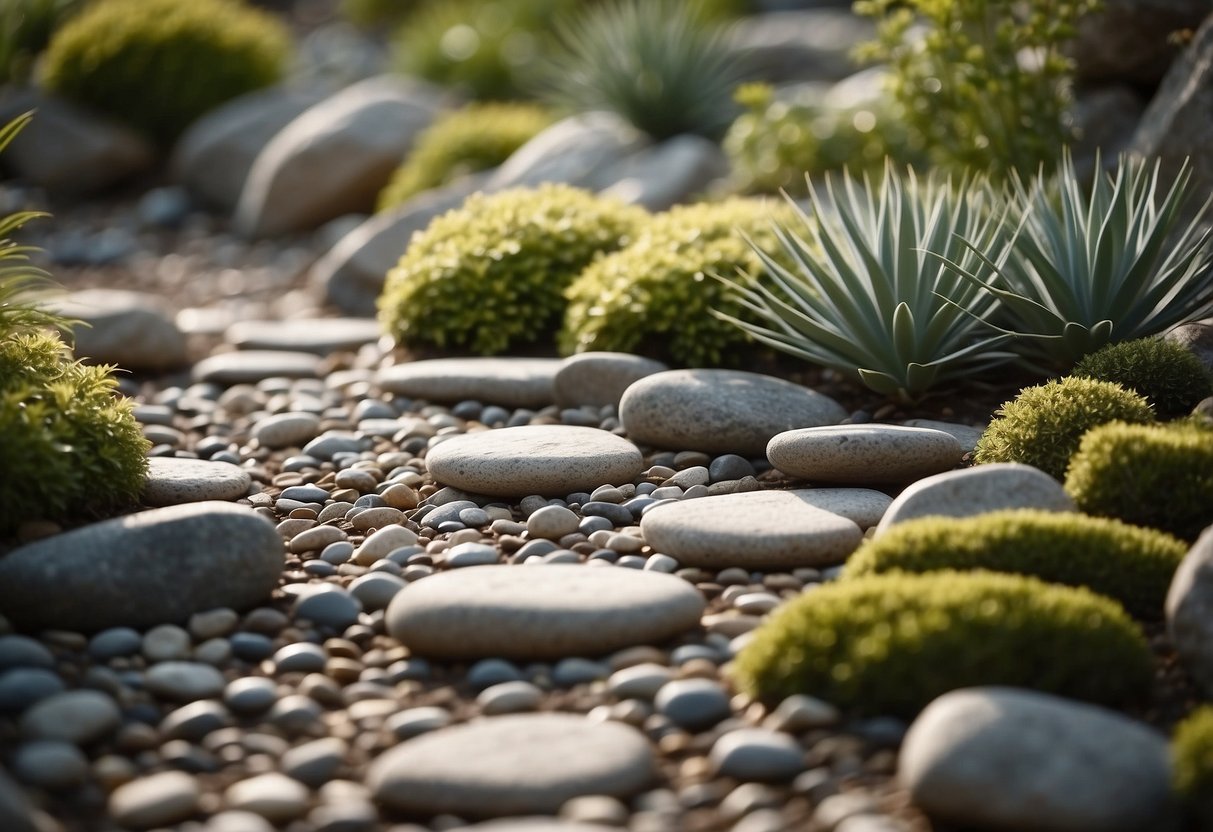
point(551, 460)
point(600, 378)
point(251, 366)
point(864, 454)
point(512, 382)
point(540, 612)
point(172, 481)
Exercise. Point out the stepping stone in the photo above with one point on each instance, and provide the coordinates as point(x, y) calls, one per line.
point(864, 454)
point(144, 569)
point(130, 329)
point(321, 336)
point(720, 411)
point(762, 529)
point(1002, 758)
point(510, 765)
point(510, 382)
point(1190, 611)
point(964, 493)
point(171, 481)
point(252, 366)
point(551, 460)
point(600, 378)
point(540, 612)
point(966, 435)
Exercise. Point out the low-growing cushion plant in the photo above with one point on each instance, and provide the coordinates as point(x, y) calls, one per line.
point(1192, 764)
point(653, 297)
point(475, 138)
point(1043, 425)
point(889, 644)
point(1151, 475)
point(160, 64)
point(491, 275)
point(1170, 376)
point(1128, 563)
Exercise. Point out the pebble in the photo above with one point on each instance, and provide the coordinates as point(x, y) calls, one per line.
point(693, 704)
point(640, 681)
point(172, 481)
point(374, 591)
point(316, 538)
point(533, 824)
point(251, 366)
point(327, 605)
point(321, 336)
point(285, 430)
point(868, 454)
point(470, 554)
point(114, 642)
point(474, 769)
point(75, 716)
point(382, 543)
point(250, 694)
point(510, 382)
point(543, 612)
point(194, 721)
point(551, 460)
point(720, 411)
point(596, 379)
point(1189, 611)
point(273, 796)
point(414, 722)
point(508, 698)
point(50, 764)
point(184, 681)
point(801, 712)
point(164, 643)
point(315, 763)
point(23, 686)
point(552, 523)
point(156, 800)
point(757, 754)
point(23, 651)
point(300, 657)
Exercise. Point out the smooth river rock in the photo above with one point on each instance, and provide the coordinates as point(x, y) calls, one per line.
point(144, 569)
point(516, 764)
point(864, 454)
point(321, 336)
point(510, 382)
point(171, 481)
point(600, 378)
point(552, 460)
point(251, 366)
point(1190, 611)
point(540, 612)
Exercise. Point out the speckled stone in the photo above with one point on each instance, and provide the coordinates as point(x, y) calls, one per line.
point(720, 411)
point(864, 454)
point(752, 530)
point(600, 378)
point(552, 460)
point(970, 491)
point(172, 481)
point(516, 764)
point(511, 382)
point(321, 336)
point(251, 366)
point(540, 612)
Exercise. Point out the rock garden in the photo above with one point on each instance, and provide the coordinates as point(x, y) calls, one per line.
point(589, 415)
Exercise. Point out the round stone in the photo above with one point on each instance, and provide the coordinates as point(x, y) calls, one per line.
point(50, 764)
point(251, 366)
point(23, 651)
point(552, 523)
point(171, 481)
point(250, 694)
point(328, 605)
point(23, 686)
point(755, 530)
point(864, 454)
point(534, 824)
point(273, 796)
point(508, 698)
point(184, 681)
point(720, 411)
point(130, 329)
point(549, 611)
point(77, 716)
point(600, 378)
point(756, 754)
point(516, 764)
point(156, 800)
point(285, 430)
point(511, 382)
point(551, 460)
point(694, 704)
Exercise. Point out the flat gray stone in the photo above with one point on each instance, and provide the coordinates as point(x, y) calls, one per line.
point(156, 800)
point(970, 491)
point(252, 366)
point(75, 716)
point(864, 454)
point(600, 378)
point(320, 335)
point(720, 411)
point(285, 430)
point(552, 460)
point(1004, 758)
point(540, 612)
point(173, 480)
point(131, 329)
point(511, 382)
point(516, 764)
point(1190, 611)
point(757, 754)
point(757, 529)
point(966, 435)
point(144, 569)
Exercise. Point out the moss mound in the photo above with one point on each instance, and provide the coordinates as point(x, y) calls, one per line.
point(1150, 475)
point(491, 275)
point(475, 138)
point(1042, 426)
point(889, 644)
point(1131, 564)
point(1169, 376)
point(160, 64)
point(1192, 760)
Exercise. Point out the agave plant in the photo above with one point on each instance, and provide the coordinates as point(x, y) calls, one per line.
point(865, 297)
point(663, 65)
point(1086, 270)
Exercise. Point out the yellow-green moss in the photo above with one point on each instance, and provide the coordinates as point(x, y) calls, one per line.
point(1192, 764)
point(1171, 378)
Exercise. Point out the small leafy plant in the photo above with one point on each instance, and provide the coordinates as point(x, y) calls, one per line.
point(1167, 374)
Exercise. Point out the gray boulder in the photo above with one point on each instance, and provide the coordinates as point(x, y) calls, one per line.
point(583, 151)
point(666, 174)
point(800, 45)
point(130, 329)
point(1190, 611)
point(1133, 41)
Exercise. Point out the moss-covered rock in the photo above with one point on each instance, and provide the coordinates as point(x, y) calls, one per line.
point(475, 138)
point(889, 644)
point(655, 296)
point(1172, 378)
point(491, 275)
point(160, 64)
point(1131, 564)
point(1042, 426)
point(1192, 763)
point(1150, 475)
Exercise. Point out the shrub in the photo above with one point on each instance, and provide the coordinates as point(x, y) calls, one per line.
point(475, 138)
point(889, 644)
point(1150, 475)
point(960, 74)
point(653, 297)
point(25, 29)
point(1043, 425)
point(491, 274)
point(1192, 761)
point(160, 64)
point(1170, 376)
point(1130, 564)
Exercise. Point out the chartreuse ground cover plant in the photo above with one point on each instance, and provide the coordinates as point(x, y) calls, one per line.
point(1170, 376)
point(160, 64)
point(474, 138)
point(654, 296)
point(889, 644)
point(1151, 475)
point(1192, 764)
point(491, 274)
point(1128, 563)
point(861, 294)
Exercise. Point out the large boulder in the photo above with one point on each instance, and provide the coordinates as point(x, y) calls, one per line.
point(584, 151)
point(130, 329)
point(1134, 41)
point(666, 174)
